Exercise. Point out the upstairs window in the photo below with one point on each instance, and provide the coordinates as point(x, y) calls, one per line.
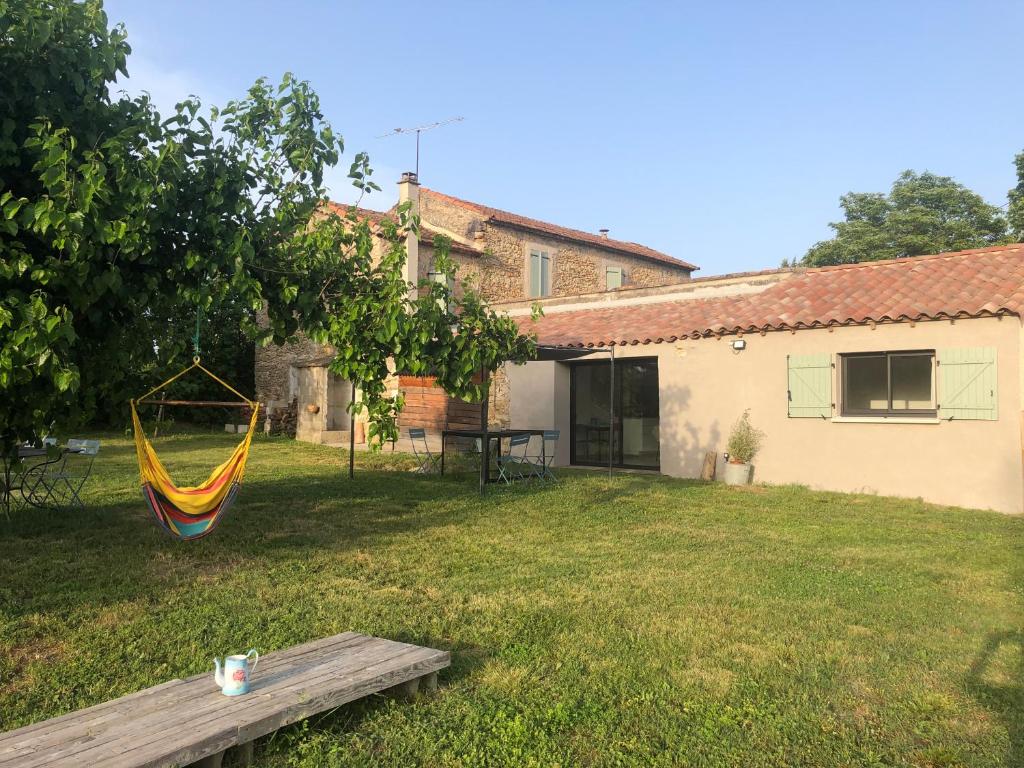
point(613, 278)
point(540, 274)
point(889, 384)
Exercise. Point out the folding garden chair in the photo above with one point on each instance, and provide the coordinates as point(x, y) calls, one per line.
point(511, 465)
point(59, 485)
point(541, 463)
point(429, 463)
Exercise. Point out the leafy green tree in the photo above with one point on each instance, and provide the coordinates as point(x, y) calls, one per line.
point(379, 329)
point(1015, 212)
point(117, 225)
point(923, 213)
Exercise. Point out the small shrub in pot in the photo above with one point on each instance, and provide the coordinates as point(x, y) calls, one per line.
point(745, 441)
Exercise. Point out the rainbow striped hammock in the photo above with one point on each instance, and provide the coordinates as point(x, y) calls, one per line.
point(190, 512)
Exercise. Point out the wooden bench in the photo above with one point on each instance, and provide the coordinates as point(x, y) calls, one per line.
point(185, 721)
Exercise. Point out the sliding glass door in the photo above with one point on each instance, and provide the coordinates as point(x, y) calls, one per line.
point(632, 438)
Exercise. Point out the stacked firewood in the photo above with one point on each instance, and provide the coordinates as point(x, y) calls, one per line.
point(284, 421)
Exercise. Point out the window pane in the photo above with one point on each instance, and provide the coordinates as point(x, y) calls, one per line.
point(866, 386)
point(911, 382)
point(591, 430)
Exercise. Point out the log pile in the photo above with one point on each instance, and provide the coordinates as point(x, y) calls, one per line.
point(284, 421)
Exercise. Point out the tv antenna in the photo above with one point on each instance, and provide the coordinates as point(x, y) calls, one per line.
point(418, 129)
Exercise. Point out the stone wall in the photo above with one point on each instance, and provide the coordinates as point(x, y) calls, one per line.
point(575, 267)
point(273, 364)
point(503, 271)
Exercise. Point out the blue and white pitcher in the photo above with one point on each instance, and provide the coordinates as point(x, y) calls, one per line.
point(234, 680)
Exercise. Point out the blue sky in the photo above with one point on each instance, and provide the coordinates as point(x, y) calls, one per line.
point(721, 133)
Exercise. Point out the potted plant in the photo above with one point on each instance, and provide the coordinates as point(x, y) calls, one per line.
point(744, 442)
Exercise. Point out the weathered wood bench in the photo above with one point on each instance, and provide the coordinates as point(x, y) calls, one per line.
point(190, 721)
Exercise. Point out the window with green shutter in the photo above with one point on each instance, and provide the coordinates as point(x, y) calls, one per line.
point(967, 383)
point(810, 386)
point(540, 274)
point(612, 278)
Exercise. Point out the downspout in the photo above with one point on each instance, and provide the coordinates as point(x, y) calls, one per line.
point(611, 411)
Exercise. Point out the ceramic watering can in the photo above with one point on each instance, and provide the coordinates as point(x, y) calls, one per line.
point(234, 679)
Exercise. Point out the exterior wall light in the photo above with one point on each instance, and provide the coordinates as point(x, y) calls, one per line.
point(739, 344)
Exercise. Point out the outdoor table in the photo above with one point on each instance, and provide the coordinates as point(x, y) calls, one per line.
point(17, 482)
point(478, 434)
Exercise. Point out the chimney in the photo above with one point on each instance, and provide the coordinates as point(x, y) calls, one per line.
point(409, 191)
point(603, 233)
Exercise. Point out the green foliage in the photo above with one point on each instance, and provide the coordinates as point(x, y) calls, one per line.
point(745, 440)
point(380, 327)
point(637, 621)
point(117, 224)
point(923, 213)
point(1015, 212)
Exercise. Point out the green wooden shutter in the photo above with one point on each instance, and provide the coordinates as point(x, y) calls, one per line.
point(810, 386)
point(967, 386)
point(535, 274)
point(545, 274)
point(613, 278)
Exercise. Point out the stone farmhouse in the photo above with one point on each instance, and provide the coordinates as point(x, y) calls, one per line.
point(509, 258)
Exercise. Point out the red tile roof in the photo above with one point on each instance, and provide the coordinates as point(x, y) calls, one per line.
point(427, 234)
point(976, 283)
point(564, 233)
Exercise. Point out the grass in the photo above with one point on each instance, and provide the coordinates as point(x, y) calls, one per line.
point(639, 621)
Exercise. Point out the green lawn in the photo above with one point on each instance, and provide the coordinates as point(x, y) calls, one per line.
point(640, 621)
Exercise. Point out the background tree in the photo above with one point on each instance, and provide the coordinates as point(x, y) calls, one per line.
point(1015, 212)
point(923, 213)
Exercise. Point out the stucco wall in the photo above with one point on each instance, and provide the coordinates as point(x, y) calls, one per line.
point(704, 386)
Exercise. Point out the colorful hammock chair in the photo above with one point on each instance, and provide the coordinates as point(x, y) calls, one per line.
point(190, 512)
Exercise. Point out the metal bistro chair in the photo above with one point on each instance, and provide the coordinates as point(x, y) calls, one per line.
point(511, 466)
point(60, 485)
point(541, 463)
point(429, 463)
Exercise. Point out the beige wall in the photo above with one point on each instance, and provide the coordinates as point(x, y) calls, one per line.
point(705, 385)
point(539, 395)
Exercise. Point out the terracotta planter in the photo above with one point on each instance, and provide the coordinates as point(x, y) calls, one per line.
point(737, 474)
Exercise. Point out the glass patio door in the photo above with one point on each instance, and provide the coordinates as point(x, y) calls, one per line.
point(633, 439)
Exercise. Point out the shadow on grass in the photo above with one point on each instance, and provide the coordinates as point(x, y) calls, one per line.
point(114, 551)
point(996, 680)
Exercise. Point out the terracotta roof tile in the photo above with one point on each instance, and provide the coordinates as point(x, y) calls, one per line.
point(535, 225)
point(975, 283)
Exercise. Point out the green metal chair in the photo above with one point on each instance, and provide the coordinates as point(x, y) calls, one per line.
point(541, 463)
point(429, 463)
point(515, 465)
point(59, 485)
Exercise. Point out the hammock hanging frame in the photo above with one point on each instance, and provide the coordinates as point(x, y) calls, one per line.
point(191, 512)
